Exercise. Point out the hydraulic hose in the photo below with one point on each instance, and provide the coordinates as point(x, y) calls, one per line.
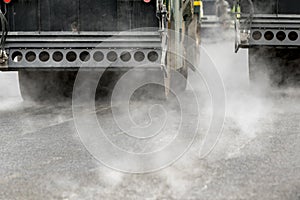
point(4, 27)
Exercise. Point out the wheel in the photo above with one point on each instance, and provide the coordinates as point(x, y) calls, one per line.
point(40, 86)
point(290, 67)
point(265, 67)
point(274, 66)
point(155, 90)
point(107, 83)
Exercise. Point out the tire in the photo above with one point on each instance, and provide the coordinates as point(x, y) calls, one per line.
point(150, 91)
point(264, 67)
point(41, 86)
point(291, 67)
point(273, 66)
point(178, 83)
point(53, 86)
point(107, 83)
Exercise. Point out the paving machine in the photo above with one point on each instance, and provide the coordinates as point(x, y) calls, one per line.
point(270, 29)
point(216, 17)
point(47, 41)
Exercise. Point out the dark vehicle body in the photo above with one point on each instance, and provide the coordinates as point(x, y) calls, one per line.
point(88, 15)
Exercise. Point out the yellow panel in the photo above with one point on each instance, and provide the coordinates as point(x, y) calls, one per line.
point(197, 3)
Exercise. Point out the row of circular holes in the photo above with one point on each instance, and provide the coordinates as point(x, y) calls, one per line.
point(269, 35)
point(84, 56)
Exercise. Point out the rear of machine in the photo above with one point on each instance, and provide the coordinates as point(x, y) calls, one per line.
point(39, 36)
point(216, 17)
point(270, 29)
point(65, 34)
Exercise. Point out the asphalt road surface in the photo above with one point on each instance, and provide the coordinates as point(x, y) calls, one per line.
point(257, 157)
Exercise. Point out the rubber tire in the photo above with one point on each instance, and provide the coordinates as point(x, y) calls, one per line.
point(264, 67)
point(150, 91)
point(273, 66)
point(53, 86)
point(42, 86)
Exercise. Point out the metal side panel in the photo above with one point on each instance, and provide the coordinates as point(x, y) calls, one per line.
point(87, 49)
point(270, 30)
point(142, 39)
